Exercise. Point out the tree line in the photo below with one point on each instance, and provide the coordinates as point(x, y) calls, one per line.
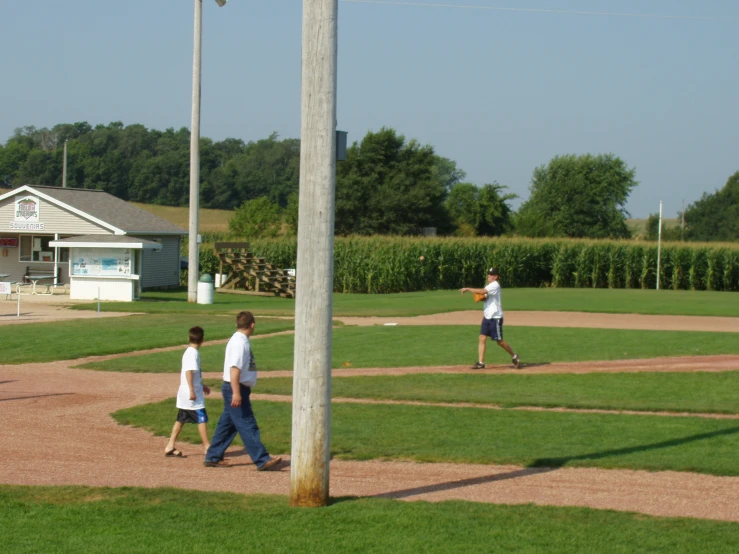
point(387, 185)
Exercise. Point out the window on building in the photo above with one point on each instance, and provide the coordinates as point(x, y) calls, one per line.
point(36, 249)
point(26, 251)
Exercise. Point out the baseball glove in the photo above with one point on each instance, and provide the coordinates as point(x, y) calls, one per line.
point(478, 297)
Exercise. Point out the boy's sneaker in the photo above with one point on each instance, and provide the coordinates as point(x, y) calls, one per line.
point(479, 365)
point(272, 464)
point(516, 361)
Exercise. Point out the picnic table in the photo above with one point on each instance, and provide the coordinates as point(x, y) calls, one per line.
point(36, 277)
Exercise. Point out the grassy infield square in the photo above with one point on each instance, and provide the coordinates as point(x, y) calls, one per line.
point(168, 520)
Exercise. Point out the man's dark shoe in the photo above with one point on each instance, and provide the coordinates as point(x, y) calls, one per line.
point(220, 463)
point(516, 361)
point(479, 365)
point(271, 465)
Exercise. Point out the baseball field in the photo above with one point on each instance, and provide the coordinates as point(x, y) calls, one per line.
point(618, 433)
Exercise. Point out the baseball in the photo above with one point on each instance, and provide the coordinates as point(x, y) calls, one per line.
point(421, 258)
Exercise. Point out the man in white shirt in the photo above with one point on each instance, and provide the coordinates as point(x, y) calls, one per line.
point(492, 321)
point(239, 376)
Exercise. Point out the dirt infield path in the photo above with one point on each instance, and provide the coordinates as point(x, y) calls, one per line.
point(36, 309)
point(58, 431)
point(566, 319)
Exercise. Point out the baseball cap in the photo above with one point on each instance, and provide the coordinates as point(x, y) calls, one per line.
point(493, 271)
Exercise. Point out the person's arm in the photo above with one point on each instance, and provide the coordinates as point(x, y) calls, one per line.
point(236, 398)
point(188, 375)
point(474, 291)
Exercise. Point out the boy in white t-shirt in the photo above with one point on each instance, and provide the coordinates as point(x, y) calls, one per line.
point(492, 320)
point(190, 396)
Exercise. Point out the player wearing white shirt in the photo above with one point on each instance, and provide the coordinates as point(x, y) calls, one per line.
point(492, 321)
point(190, 395)
point(239, 376)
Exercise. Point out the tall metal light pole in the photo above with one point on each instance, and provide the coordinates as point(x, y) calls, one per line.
point(659, 242)
point(193, 253)
point(309, 474)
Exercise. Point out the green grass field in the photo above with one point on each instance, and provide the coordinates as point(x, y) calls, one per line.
point(475, 435)
point(83, 519)
point(685, 392)
point(403, 346)
point(45, 342)
point(622, 301)
point(208, 220)
point(638, 227)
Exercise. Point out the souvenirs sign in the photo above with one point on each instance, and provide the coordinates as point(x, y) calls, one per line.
point(26, 214)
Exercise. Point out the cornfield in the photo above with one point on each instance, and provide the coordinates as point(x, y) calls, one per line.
point(401, 264)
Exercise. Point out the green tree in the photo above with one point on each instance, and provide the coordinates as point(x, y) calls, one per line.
point(447, 172)
point(495, 216)
point(463, 207)
point(291, 214)
point(256, 218)
point(12, 156)
point(481, 211)
point(673, 233)
point(578, 196)
point(389, 186)
point(715, 217)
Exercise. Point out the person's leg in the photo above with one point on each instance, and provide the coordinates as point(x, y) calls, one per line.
point(498, 337)
point(173, 437)
point(482, 343)
point(481, 346)
point(203, 430)
point(246, 424)
point(507, 347)
point(225, 430)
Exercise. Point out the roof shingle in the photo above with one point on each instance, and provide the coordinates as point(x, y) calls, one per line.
point(112, 210)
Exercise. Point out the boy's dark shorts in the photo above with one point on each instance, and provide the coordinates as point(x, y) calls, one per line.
point(192, 416)
point(492, 328)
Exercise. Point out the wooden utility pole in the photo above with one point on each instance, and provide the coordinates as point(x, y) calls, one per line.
point(64, 166)
point(309, 476)
point(193, 253)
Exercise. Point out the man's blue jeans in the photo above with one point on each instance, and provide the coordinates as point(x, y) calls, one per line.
point(239, 420)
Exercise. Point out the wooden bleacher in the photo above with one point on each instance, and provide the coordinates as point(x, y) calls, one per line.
point(248, 274)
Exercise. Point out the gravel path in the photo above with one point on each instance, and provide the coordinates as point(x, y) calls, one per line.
point(59, 431)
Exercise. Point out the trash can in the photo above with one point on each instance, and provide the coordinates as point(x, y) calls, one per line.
point(205, 289)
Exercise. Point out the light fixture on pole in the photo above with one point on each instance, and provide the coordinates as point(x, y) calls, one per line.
point(193, 257)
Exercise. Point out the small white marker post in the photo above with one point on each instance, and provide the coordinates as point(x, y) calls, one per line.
point(659, 241)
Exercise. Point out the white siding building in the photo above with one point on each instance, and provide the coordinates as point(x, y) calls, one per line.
point(32, 217)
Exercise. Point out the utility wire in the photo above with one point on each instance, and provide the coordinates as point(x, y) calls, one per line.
point(542, 10)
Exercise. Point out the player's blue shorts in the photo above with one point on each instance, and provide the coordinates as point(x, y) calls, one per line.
point(192, 416)
point(492, 328)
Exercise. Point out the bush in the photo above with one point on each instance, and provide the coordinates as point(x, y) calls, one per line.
point(256, 218)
